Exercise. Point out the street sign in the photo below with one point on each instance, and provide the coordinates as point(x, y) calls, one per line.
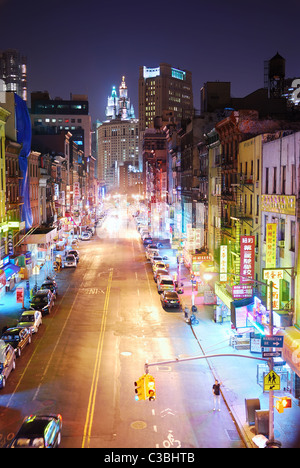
point(271, 381)
point(271, 354)
point(272, 342)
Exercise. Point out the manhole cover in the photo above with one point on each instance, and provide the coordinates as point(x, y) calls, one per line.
point(138, 425)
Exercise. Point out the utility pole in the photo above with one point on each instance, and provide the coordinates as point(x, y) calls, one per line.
point(271, 367)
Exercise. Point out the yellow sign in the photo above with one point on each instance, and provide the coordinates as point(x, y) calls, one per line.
point(285, 204)
point(271, 244)
point(271, 381)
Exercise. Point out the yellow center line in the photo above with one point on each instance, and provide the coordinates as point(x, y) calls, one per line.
point(93, 391)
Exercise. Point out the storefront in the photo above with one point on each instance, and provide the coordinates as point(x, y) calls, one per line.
point(223, 307)
point(198, 263)
point(249, 323)
point(291, 354)
point(2, 282)
point(11, 272)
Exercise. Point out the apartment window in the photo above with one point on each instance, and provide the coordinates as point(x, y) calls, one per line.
point(274, 180)
point(283, 180)
point(267, 180)
point(257, 205)
point(293, 179)
point(281, 229)
point(293, 231)
point(265, 227)
point(257, 169)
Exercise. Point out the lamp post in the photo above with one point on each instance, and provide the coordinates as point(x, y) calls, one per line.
point(270, 360)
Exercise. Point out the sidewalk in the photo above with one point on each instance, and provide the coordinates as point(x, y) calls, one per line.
point(238, 375)
point(10, 310)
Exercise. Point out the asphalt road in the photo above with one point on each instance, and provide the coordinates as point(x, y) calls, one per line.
point(106, 323)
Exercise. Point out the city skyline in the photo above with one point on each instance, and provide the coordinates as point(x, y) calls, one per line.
point(83, 50)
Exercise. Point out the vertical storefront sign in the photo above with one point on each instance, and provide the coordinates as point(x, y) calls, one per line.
point(20, 295)
point(247, 258)
point(223, 263)
point(271, 240)
point(275, 276)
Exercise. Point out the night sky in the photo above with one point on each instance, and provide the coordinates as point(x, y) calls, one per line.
point(84, 47)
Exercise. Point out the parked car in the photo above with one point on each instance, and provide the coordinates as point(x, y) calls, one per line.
point(170, 299)
point(52, 285)
point(158, 272)
point(144, 232)
point(39, 431)
point(156, 258)
point(151, 253)
point(70, 261)
point(150, 247)
point(165, 283)
point(147, 240)
point(85, 235)
point(7, 362)
point(43, 300)
point(75, 253)
point(91, 229)
point(31, 319)
point(159, 266)
point(18, 338)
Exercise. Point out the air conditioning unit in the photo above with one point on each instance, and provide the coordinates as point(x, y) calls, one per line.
point(281, 243)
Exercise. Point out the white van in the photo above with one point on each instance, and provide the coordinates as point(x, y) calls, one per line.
point(165, 283)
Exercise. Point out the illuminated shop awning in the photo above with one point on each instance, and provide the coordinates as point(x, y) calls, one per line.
point(291, 348)
point(10, 269)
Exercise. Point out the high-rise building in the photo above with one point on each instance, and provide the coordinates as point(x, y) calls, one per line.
point(13, 72)
point(164, 88)
point(54, 116)
point(118, 139)
point(119, 106)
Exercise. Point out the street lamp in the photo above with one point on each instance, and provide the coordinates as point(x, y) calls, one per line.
point(270, 360)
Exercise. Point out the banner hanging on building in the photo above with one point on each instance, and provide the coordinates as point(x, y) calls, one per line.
point(247, 258)
point(271, 244)
point(223, 263)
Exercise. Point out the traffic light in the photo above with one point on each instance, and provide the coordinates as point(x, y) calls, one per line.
point(140, 389)
point(283, 403)
point(150, 387)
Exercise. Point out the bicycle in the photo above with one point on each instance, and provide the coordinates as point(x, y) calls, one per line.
point(170, 441)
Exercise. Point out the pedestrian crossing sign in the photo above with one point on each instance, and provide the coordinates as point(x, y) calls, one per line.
point(271, 381)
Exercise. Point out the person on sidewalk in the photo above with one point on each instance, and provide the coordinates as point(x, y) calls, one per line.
point(217, 395)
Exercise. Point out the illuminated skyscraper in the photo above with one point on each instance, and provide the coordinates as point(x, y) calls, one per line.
point(13, 72)
point(119, 106)
point(164, 89)
point(118, 138)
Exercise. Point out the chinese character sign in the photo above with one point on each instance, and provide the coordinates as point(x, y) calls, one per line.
point(271, 239)
point(247, 258)
point(223, 263)
point(275, 276)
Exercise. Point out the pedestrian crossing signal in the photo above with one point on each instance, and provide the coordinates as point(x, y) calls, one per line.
point(283, 403)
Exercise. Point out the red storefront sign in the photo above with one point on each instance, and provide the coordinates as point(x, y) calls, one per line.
point(247, 258)
point(20, 295)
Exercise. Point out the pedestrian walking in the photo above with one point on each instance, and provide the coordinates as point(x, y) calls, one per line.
point(217, 395)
